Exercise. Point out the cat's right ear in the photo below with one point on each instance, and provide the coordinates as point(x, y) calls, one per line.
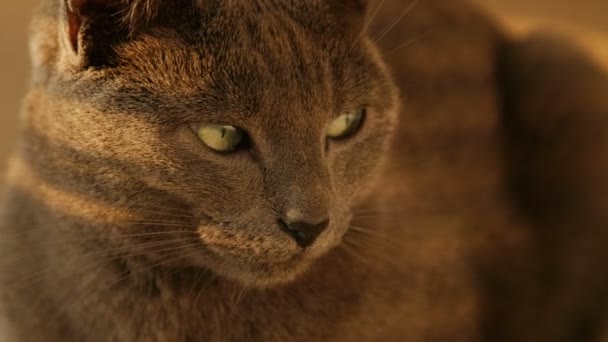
point(92, 27)
point(73, 13)
point(89, 29)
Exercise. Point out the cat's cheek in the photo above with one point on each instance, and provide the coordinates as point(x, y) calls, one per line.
point(371, 183)
point(355, 174)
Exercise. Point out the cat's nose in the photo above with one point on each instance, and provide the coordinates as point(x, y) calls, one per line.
point(303, 233)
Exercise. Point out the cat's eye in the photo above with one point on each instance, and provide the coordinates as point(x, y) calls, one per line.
point(346, 124)
point(221, 138)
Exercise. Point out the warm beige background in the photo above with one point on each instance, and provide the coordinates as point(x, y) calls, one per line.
point(583, 19)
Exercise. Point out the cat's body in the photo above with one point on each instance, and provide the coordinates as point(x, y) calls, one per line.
point(448, 245)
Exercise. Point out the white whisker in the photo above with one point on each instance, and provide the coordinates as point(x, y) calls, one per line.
point(406, 44)
point(366, 26)
point(394, 23)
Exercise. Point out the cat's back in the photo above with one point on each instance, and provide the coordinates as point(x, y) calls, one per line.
point(499, 158)
point(444, 57)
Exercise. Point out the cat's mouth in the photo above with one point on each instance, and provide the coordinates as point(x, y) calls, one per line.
point(263, 261)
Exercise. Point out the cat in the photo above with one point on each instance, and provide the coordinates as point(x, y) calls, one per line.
point(281, 170)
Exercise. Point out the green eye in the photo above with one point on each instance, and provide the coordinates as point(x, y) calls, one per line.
point(221, 138)
point(346, 124)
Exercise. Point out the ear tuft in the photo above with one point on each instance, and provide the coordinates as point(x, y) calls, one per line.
point(137, 14)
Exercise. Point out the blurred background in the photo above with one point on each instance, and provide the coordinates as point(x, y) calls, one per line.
point(584, 20)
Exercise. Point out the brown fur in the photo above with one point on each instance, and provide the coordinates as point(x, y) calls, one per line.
point(119, 225)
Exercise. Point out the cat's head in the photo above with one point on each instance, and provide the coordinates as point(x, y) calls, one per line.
point(267, 120)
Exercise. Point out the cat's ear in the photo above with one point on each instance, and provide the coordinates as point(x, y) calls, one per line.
point(92, 27)
point(88, 29)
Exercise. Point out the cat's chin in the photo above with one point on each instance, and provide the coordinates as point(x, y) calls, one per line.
point(259, 274)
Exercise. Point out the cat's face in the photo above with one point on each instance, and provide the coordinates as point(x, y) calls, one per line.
point(267, 120)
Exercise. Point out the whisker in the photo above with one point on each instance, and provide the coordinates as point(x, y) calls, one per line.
point(164, 262)
point(88, 239)
point(377, 217)
point(357, 242)
point(370, 232)
point(374, 210)
point(153, 221)
point(197, 278)
point(406, 44)
point(161, 213)
point(159, 224)
point(242, 293)
point(351, 251)
point(374, 252)
point(156, 233)
point(394, 23)
point(141, 246)
point(18, 284)
point(177, 251)
point(235, 299)
point(146, 207)
point(210, 278)
point(366, 27)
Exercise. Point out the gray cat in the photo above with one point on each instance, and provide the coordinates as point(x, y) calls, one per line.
point(287, 170)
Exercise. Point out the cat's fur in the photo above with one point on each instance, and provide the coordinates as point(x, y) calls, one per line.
point(486, 222)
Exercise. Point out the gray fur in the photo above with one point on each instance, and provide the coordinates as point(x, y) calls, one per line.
point(433, 236)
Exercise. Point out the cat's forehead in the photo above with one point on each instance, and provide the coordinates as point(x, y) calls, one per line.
point(259, 55)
